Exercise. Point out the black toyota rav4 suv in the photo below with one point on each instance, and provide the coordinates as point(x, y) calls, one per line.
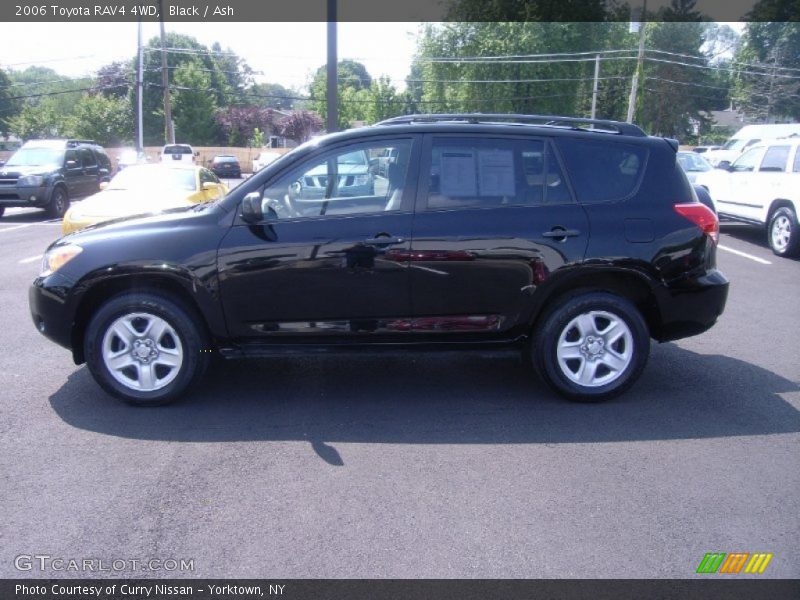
point(575, 241)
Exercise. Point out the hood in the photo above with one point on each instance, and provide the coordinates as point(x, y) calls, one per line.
point(143, 226)
point(22, 171)
point(123, 203)
point(715, 156)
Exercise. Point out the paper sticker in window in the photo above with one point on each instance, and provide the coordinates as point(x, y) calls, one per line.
point(496, 172)
point(458, 174)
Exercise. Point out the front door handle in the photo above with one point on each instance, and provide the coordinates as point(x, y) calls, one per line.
point(559, 233)
point(383, 240)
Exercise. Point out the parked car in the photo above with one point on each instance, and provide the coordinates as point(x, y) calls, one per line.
point(142, 189)
point(578, 259)
point(704, 149)
point(387, 157)
point(179, 153)
point(748, 136)
point(264, 158)
point(129, 157)
point(762, 187)
point(49, 173)
point(226, 166)
point(693, 164)
point(355, 178)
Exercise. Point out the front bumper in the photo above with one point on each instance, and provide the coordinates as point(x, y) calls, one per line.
point(21, 196)
point(50, 310)
point(691, 306)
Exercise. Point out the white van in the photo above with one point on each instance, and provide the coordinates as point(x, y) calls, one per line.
point(746, 137)
point(173, 153)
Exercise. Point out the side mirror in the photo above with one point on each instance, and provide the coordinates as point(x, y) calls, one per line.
point(103, 185)
point(209, 185)
point(2, 162)
point(252, 212)
point(197, 154)
point(724, 164)
point(71, 164)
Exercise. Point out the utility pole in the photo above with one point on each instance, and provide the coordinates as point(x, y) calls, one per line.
point(332, 100)
point(168, 128)
point(139, 93)
point(639, 62)
point(594, 87)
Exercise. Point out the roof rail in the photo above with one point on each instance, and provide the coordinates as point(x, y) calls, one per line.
point(548, 120)
point(73, 143)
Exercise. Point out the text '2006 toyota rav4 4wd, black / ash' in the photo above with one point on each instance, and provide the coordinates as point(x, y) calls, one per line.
point(574, 240)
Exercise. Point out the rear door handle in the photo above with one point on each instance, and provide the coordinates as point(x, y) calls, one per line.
point(383, 240)
point(561, 233)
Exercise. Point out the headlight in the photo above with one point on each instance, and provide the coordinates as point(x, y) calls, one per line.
point(361, 180)
point(31, 181)
point(57, 257)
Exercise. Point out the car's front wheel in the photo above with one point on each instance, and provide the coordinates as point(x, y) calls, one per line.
point(59, 203)
point(784, 232)
point(592, 347)
point(145, 349)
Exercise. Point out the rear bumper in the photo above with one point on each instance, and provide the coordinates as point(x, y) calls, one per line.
point(691, 306)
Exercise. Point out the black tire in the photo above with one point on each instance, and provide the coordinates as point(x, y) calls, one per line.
point(59, 203)
point(548, 335)
point(783, 233)
point(191, 337)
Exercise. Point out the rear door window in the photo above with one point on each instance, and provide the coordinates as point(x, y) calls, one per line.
point(489, 172)
point(775, 159)
point(603, 171)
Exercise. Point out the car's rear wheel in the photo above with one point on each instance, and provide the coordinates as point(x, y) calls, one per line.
point(592, 347)
point(59, 203)
point(145, 349)
point(784, 232)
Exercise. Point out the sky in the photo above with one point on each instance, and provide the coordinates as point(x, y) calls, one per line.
point(285, 53)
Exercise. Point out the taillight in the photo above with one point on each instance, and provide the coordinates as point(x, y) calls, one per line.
point(702, 216)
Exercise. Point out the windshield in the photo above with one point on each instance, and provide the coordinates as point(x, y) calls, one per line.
point(734, 144)
point(153, 179)
point(36, 157)
point(692, 162)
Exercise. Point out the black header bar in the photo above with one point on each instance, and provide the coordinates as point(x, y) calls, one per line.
point(232, 11)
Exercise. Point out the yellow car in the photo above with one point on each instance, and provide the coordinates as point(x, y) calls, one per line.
point(145, 189)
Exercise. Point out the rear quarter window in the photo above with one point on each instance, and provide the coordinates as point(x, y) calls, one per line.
point(603, 171)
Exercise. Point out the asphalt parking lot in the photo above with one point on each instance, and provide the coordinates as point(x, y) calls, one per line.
point(436, 466)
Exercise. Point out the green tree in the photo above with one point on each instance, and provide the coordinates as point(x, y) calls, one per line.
point(107, 120)
point(271, 95)
point(383, 101)
point(451, 80)
point(42, 87)
point(353, 83)
point(766, 88)
point(673, 94)
point(194, 106)
point(224, 75)
point(42, 120)
point(8, 106)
